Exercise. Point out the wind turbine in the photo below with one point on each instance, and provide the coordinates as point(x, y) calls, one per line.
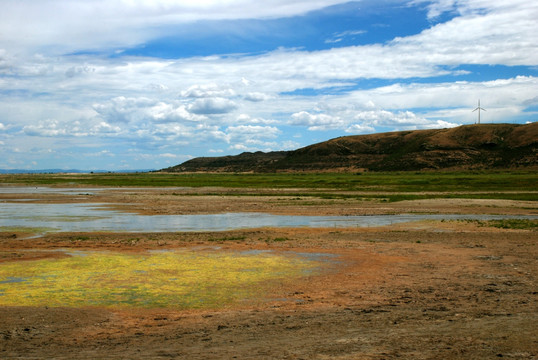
point(479, 108)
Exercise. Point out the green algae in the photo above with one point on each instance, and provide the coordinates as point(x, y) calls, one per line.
point(183, 280)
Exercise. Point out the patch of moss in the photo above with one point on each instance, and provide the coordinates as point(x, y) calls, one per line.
point(182, 280)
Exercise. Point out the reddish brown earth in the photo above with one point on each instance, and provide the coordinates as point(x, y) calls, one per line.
point(428, 290)
point(479, 146)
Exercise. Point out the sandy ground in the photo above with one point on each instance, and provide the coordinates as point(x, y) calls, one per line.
point(427, 290)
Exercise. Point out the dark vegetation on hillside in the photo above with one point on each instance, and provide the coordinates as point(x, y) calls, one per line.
point(484, 146)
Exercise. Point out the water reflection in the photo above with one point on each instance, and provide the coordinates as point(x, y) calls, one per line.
point(47, 190)
point(94, 217)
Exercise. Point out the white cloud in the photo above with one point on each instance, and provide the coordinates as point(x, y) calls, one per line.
point(124, 110)
point(436, 8)
point(491, 38)
point(209, 90)
point(240, 147)
point(460, 95)
point(170, 156)
point(165, 112)
point(494, 38)
point(247, 119)
point(245, 101)
point(257, 96)
point(45, 128)
point(209, 106)
point(359, 129)
point(101, 153)
point(79, 70)
point(105, 128)
point(531, 101)
point(338, 37)
point(55, 128)
point(246, 132)
point(503, 35)
point(358, 121)
point(260, 145)
point(143, 110)
point(316, 121)
point(254, 138)
point(68, 26)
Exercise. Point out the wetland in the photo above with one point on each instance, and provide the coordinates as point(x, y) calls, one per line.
point(455, 278)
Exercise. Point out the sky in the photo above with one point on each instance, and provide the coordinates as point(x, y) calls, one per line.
point(124, 85)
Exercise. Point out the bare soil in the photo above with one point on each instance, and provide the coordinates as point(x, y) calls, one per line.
point(427, 290)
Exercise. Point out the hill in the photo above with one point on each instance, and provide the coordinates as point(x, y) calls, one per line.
point(484, 146)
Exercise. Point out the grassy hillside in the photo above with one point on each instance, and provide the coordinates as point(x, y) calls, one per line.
point(485, 146)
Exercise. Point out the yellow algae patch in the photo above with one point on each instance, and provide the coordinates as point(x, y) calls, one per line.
point(179, 279)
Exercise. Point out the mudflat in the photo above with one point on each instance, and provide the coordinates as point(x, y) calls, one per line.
point(423, 290)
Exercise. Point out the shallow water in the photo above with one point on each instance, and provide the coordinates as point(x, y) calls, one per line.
point(47, 190)
point(95, 217)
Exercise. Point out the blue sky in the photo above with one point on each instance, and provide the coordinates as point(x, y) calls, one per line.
point(123, 85)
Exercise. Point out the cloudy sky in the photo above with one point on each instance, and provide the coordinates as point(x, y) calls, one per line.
point(146, 84)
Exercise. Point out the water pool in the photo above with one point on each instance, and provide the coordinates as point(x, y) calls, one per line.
point(96, 217)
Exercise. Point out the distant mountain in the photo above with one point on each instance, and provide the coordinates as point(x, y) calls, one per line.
point(484, 146)
point(41, 171)
point(64, 171)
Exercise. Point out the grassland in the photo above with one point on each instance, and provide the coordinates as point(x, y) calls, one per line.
point(393, 186)
point(519, 224)
point(421, 290)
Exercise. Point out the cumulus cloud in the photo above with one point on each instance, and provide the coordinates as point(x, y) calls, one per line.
point(209, 90)
point(357, 121)
point(490, 38)
point(247, 119)
point(359, 129)
point(253, 138)
point(45, 128)
point(122, 109)
point(79, 70)
point(396, 120)
point(55, 128)
point(253, 131)
point(458, 95)
point(170, 156)
point(248, 102)
point(209, 106)
point(316, 121)
point(256, 96)
point(5, 62)
point(260, 145)
point(166, 112)
point(101, 153)
point(105, 128)
point(142, 109)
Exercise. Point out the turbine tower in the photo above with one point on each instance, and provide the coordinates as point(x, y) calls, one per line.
point(479, 108)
